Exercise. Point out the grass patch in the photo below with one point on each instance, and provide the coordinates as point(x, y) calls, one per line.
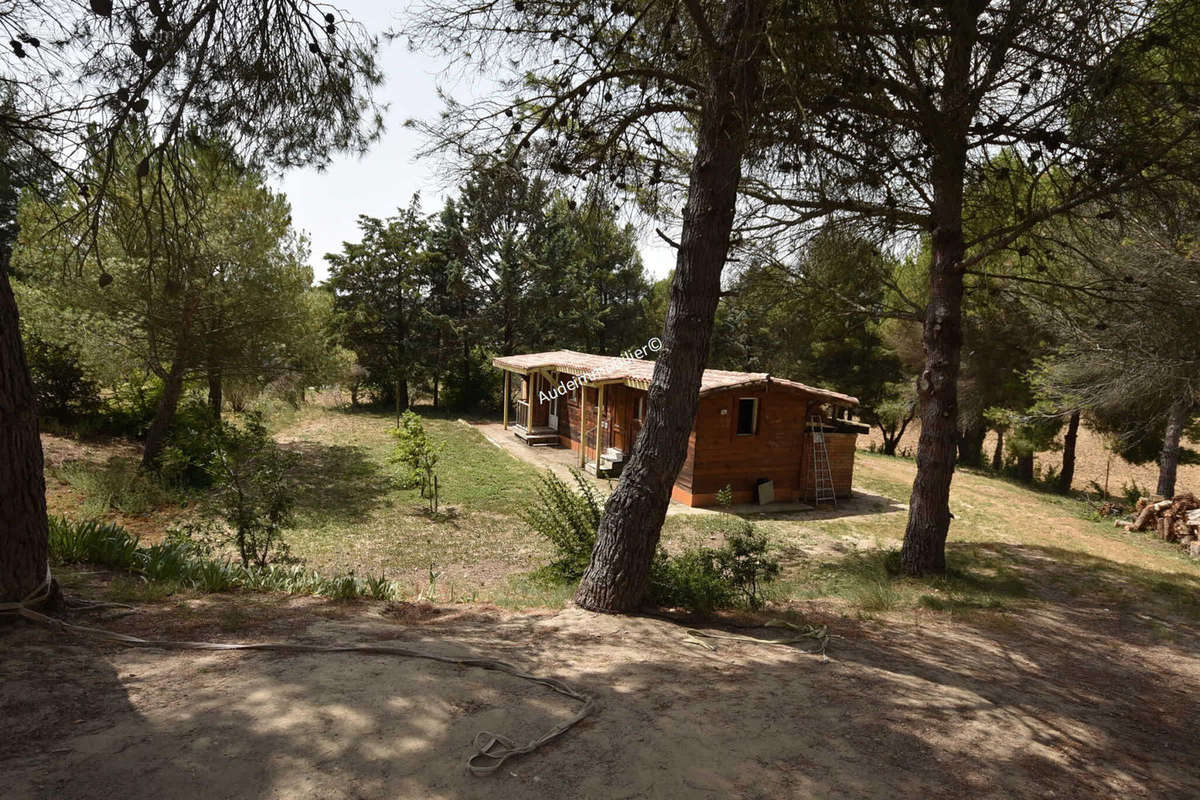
point(354, 516)
point(116, 485)
point(1010, 546)
point(538, 589)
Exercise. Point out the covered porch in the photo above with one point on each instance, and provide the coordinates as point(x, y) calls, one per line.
point(599, 419)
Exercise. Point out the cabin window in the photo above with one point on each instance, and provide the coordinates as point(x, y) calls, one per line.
point(639, 408)
point(747, 416)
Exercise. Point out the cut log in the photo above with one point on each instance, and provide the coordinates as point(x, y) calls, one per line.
point(1143, 519)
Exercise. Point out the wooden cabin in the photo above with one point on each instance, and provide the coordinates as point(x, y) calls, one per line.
point(750, 428)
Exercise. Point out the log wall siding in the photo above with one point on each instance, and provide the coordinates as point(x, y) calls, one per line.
point(723, 458)
point(780, 450)
point(717, 456)
point(841, 448)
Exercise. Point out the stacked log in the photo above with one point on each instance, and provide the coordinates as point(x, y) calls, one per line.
point(1175, 520)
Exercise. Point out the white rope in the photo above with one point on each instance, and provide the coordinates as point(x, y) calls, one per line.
point(491, 749)
point(34, 599)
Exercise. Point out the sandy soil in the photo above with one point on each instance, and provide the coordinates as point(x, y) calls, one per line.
point(1093, 461)
point(1071, 700)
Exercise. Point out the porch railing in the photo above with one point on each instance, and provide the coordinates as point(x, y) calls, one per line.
point(522, 420)
point(589, 440)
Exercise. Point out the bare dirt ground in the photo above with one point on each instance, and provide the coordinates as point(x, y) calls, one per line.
point(1063, 663)
point(1093, 461)
point(1072, 699)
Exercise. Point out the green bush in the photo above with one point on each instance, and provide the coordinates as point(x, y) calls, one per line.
point(702, 579)
point(746, 564)
point(209, 575)
point(168, 561)
point(725, 496)
point(61, 389)
point(568, 519)
point(185, 558)
point(418, 456)
point(380, 589)
point(189, 455)
point(340, 587)
point(254, 489)
point(1131, 493)
point(92, 542)
point(125, 410)
point(692, 580)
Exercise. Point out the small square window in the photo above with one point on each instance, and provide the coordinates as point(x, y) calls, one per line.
point(747, 418)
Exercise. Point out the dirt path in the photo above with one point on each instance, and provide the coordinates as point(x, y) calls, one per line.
point(1073, 700)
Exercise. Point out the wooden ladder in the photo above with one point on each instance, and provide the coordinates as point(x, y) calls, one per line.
point(822, 474)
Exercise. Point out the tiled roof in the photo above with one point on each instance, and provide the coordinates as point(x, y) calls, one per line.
point(639, 372)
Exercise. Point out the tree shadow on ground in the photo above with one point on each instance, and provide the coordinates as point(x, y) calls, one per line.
point(337, 482)
point(1070, 698)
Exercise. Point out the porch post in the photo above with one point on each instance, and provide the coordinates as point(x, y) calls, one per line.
point(507, 398)
point(582, 425)
point(599, 412)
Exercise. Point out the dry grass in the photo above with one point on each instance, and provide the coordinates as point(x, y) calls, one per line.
point(1093, 461)
point(1010, 546)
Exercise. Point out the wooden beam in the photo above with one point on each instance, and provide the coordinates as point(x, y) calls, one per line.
point(599, 414)
point(507, 397)
point(582, 426)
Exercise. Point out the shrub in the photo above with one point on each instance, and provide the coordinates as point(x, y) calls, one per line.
point(188, 458)
point(725, 496)
point(340, 587)
point(568, 519)
point(168, 561)
point(255, 494)
point(380, 588)
point(699, 579)
point(418, 455)
point(692, 580)
point(184, 558)
point(1131, 493)
point(209, 575)
point(746, 564)
point(93, 542)
point(702, 579)
point(60, 388)
point(126, 410)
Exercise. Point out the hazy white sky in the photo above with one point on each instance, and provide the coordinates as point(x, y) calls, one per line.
point(326, 204)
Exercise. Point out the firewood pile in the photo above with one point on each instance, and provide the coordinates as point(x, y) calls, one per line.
point(1175, 520)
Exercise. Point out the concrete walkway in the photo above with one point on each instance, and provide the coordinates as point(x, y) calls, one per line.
point(561, 461)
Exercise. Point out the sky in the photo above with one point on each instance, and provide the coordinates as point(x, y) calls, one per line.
point(326, 204)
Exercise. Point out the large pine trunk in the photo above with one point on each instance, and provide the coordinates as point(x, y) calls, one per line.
point(1168, 458)
point(1070, 440)
point(617, 578)
point(23, 530)
point(924, 549)
point(998, 453)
